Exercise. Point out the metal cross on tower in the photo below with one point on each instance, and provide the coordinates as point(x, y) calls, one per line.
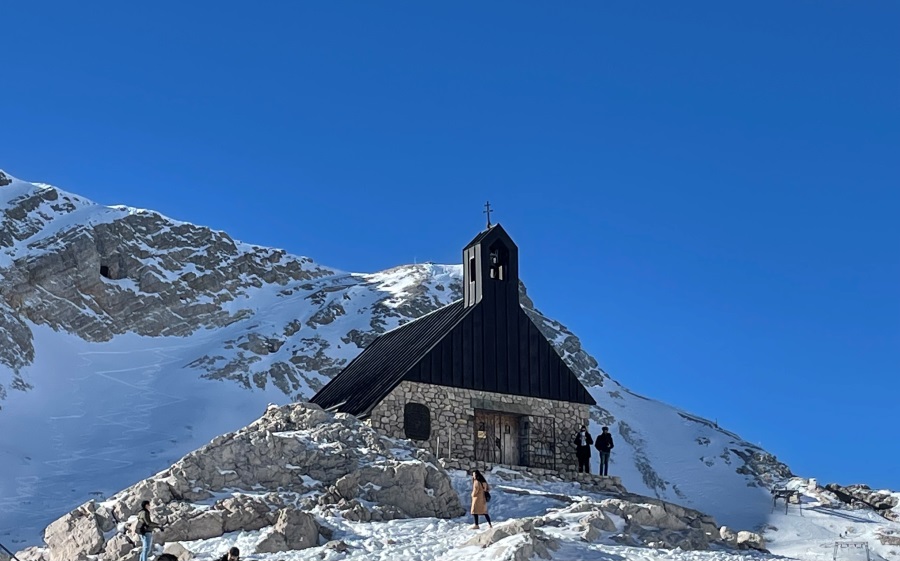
point(487, 210)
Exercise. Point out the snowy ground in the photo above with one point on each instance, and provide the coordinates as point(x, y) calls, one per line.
point(107, 415)
point(810, 536)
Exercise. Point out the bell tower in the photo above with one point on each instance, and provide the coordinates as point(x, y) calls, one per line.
point(491, 268)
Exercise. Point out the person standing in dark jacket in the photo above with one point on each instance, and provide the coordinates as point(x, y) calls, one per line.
point(145, 527)
point(583, 442)
point(604, 446)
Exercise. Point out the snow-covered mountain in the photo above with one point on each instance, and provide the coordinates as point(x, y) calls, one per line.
point(128, 339)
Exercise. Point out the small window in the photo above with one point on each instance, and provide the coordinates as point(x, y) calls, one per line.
point(417, 421)
point(472, 269)
point(497, 261)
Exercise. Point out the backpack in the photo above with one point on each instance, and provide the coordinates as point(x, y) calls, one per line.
point(138, 527)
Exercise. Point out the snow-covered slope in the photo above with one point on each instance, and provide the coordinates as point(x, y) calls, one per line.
point(128, 339)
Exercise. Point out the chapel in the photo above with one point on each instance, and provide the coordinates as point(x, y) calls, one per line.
point(474, 380)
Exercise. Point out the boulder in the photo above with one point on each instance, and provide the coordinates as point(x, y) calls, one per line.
point(594, 524)
point(862, 495)
point(177, 551)
point(355, 511)
point(518, 540)
point(529, 547)
point(502, 531)
point(338, 546)
point(293, 530)
point(727, 535)
point(75, 535)
point(417, 489)
point(646, 513)
point(750, 540)
point(118, 547)
point(347, 486)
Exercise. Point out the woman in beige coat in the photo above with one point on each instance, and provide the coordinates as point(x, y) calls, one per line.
point(479, 501)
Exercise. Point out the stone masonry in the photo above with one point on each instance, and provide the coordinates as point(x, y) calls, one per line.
point(452, 412)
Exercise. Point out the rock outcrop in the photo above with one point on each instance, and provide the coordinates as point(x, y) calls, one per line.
point(628, 520)
point(862, 496)
point(273, 472)
point(647, 522)
point(531, 542)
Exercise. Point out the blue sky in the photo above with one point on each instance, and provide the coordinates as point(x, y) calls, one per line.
point(706, 193)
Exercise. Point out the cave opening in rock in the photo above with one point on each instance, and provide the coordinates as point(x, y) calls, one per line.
point(104, 271)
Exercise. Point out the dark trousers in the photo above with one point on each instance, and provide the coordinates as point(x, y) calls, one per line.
point(584, 464)
point(604, 463)
point(486, 517)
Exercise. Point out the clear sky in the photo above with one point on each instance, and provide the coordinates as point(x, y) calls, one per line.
point(707, 193)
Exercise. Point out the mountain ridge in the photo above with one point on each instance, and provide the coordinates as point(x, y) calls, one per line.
point(115, 301)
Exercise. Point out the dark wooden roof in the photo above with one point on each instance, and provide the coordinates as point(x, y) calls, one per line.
point(481, 235)
point(376, 371)
point(479, 348)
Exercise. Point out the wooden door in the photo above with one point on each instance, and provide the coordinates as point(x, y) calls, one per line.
point(497, 438)
point(487, 437)
point(509, 439)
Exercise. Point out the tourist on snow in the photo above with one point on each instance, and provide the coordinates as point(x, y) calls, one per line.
point(604, 445)
point(480, 497)
point(234, 554)
point(145, 527)
point(583, 442)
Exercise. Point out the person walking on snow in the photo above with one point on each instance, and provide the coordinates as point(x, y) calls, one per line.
point(583, 443)
point(604, 446)
point(145, 527)
point(480, 496)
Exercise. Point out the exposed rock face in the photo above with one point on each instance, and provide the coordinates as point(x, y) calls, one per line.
point(648, 522)
point(298, 450)
point(861, 496)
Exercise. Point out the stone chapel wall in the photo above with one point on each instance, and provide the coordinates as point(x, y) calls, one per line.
point(452, 413)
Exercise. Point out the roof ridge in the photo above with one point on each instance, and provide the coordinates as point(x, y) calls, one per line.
point(412, 321)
